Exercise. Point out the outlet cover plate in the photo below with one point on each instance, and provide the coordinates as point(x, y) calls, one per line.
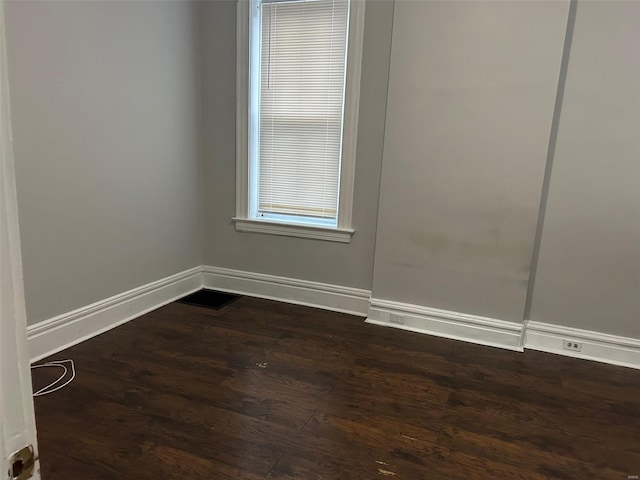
point(572, 345)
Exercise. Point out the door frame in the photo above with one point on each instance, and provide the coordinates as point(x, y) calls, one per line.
point(17, 419)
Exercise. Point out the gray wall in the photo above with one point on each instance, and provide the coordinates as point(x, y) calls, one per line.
point(589, 269)
point(105, 127)
point(342, 264)
point(471, 94)
point(110, 122)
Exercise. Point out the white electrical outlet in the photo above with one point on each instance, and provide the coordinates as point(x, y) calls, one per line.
point(571, 345)
point(396, 318)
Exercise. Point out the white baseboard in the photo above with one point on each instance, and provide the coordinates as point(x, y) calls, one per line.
point(61, 332)
point(291, 290)
point(447, 324)
point(596, 346)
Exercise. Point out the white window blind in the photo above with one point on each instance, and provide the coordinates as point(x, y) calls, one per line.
point(302, 81)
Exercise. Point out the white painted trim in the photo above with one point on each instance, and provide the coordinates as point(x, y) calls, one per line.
point(294, 230)
point(596, 346)
point(447, 324)
point(68, 329)
point(351, 113)
point(242, 108)
point(17, 419)
point(243, 219)
point(290, 290)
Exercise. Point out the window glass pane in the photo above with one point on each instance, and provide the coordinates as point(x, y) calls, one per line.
point(302, 77)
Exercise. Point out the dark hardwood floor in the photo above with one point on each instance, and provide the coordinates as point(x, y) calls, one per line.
point(265, 390)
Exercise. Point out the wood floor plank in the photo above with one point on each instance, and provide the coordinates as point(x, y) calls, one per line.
point(266, 390)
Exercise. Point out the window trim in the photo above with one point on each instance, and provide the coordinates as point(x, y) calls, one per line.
point(243, 221)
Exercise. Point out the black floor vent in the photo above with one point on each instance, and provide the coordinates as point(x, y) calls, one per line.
point(209, 299)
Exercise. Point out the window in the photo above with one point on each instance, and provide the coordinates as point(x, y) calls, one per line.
point(298, 91)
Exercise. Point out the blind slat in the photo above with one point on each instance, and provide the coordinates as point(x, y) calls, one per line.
point(303, 56)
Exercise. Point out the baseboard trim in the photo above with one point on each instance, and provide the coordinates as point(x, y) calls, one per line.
point(443, 323)
point(600, 347)
point(336, 298)
point(63, 331)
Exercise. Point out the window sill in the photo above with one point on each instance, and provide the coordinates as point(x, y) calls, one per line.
point(342, 235)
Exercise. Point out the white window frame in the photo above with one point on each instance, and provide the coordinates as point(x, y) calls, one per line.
point(243, 220)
